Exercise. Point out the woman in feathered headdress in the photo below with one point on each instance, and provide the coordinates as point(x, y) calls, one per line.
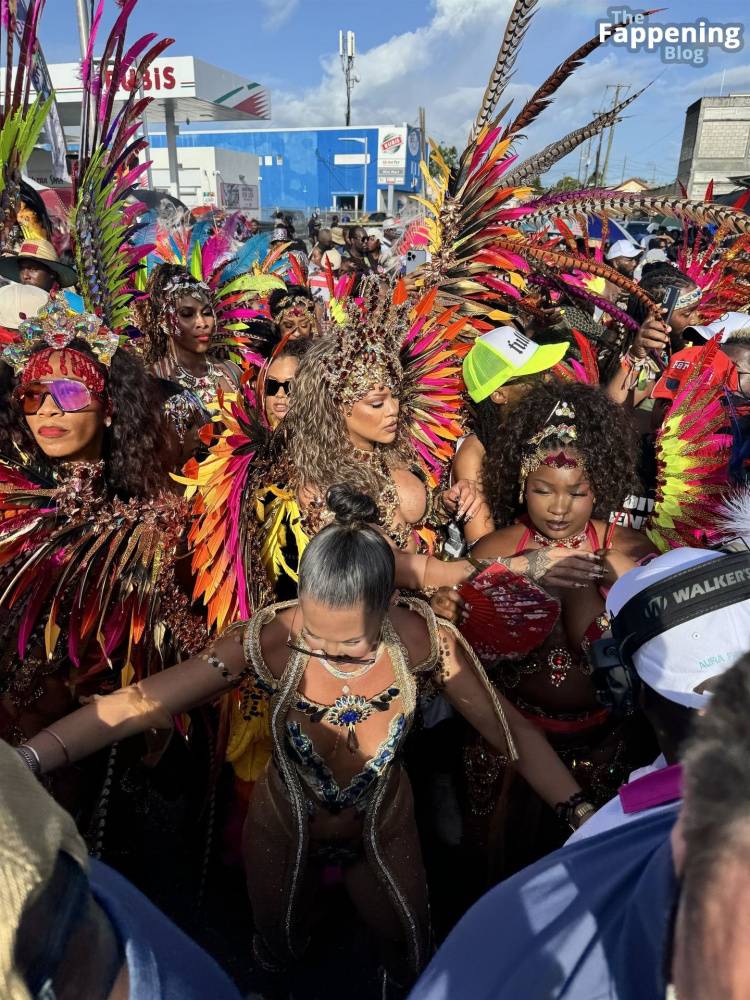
point(88, 541)
point(177, 318)
point(375, 403)
point(564, 464)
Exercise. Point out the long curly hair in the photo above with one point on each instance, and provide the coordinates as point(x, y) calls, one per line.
point(315, 432)
point(607, 443)
point(136, 448)
point(149, 311)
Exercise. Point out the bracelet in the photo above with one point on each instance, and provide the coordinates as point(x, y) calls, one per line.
point(59, 739)
point(581, 813)
point(566, 810)
point(30, 758)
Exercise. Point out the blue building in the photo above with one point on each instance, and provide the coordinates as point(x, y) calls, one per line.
point(329, 168)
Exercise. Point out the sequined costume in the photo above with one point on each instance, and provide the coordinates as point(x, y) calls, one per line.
point(298, 786)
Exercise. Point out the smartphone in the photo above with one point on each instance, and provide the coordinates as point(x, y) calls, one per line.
point(669, 301)
point(414, 259)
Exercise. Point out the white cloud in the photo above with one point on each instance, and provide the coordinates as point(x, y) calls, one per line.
point(278, 12)
point(444, 66)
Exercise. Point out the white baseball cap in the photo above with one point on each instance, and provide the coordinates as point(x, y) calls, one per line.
point(623, 248)
point(727, 324)
point(684, 657)
point(19, 302)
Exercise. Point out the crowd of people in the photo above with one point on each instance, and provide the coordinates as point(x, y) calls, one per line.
point(383, 627)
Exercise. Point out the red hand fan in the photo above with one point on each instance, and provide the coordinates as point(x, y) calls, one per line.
point(508, 614)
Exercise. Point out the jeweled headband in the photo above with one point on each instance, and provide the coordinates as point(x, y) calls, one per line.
point(298, 305)
point(179, 287)
point(537, 453)
point(57, 326)
point(369, 343)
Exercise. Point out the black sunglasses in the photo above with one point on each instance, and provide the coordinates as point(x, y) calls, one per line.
point(351, 661)
point(273, 386)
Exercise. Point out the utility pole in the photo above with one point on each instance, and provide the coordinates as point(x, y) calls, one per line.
point(624, 164)
point(617, 88)
point(422, 143)
point(347, 52)
point(84, 25)
point(587, 154)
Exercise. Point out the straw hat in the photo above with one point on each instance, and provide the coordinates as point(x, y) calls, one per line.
point(332, 257)
point(33, 831)
point(337, 236)
point(19, 302)
point(43, 252)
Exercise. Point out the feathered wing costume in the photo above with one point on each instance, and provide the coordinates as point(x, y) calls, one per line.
point(102, 223)
point(692, 455)
point(478, 220)
point(230, 489)
point(89, 579)
point(84, 575)
point(21, 118)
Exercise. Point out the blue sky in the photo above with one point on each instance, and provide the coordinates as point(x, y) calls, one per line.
point(437, 53)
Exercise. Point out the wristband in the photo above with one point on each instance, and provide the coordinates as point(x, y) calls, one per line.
point(30, 758)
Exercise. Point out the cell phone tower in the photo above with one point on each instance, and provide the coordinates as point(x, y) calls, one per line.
point(347, 52)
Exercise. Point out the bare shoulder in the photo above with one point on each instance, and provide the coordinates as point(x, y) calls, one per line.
point(632, 543)
point(413, 631)
point(273, 641)
point(502, 542)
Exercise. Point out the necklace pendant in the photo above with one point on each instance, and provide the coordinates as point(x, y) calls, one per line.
point(352, 743)
point(346, 689)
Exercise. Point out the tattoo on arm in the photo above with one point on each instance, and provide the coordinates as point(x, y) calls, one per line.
point(538, 564)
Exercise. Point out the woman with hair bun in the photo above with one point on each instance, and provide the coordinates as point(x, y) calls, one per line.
point(343, 668)
point(89, 533)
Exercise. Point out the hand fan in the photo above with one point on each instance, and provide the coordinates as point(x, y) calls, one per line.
point(508, 614)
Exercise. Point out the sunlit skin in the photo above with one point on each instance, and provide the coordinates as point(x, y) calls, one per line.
point(338, 631)
point(373, 419)
point(282, 370)
point(71, 437)
point(559, 502)
point(195, 324)
point(296, 323)
point(33, 272)
point(683, 318)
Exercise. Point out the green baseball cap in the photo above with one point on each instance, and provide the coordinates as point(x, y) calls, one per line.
point(504, 354)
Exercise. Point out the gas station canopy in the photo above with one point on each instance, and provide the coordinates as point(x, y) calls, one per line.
point(183, 88)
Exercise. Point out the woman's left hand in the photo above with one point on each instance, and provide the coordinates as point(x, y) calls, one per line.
point(463, 499)
point(447, 603)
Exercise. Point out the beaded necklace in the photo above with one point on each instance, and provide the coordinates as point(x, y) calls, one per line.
point(205, 387)
point(571, 542)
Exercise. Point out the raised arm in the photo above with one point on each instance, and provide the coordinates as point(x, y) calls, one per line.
point(468, 689)
point(150, 704)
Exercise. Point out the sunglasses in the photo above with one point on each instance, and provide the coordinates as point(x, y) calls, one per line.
point(273, 386)
point(69, 395)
